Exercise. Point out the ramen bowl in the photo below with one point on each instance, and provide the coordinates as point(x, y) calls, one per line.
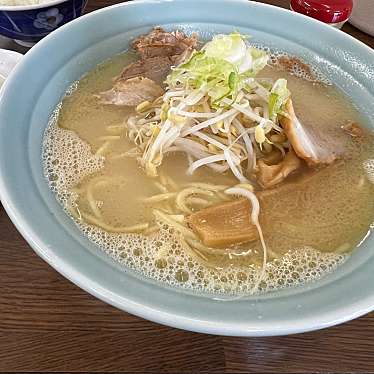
point(29, 99)
point(27, 24)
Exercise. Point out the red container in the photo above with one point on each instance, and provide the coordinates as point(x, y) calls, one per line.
point(332, 12)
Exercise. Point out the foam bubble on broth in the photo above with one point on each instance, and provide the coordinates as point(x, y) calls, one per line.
point(164, 259)
point(369, 169)
point(293, 65)
point(68, 159)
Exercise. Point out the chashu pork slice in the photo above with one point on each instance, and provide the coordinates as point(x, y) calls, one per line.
point(131, 92)
point(161, 43)
point(310, 143)
point(154, 68)
point(159, 51)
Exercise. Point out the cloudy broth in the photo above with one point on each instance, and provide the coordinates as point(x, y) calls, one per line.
point(312, 222)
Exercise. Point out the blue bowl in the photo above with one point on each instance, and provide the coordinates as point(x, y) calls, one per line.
point(30, 23)
point(34, 89)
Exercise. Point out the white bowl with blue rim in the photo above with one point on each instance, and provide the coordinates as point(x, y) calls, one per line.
point(27, 24)
point(35, 88)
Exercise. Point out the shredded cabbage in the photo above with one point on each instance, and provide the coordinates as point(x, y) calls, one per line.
point(222, 68)
point(230, 48)
point(279, 94)
point(259, 58)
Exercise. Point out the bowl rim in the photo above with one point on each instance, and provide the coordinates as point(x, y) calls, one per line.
point(19, 8)
point(161, 316)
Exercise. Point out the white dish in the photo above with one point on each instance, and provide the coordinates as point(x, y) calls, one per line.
point(8, 60)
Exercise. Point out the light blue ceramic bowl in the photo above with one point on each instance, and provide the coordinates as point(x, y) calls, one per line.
point(39, 83)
